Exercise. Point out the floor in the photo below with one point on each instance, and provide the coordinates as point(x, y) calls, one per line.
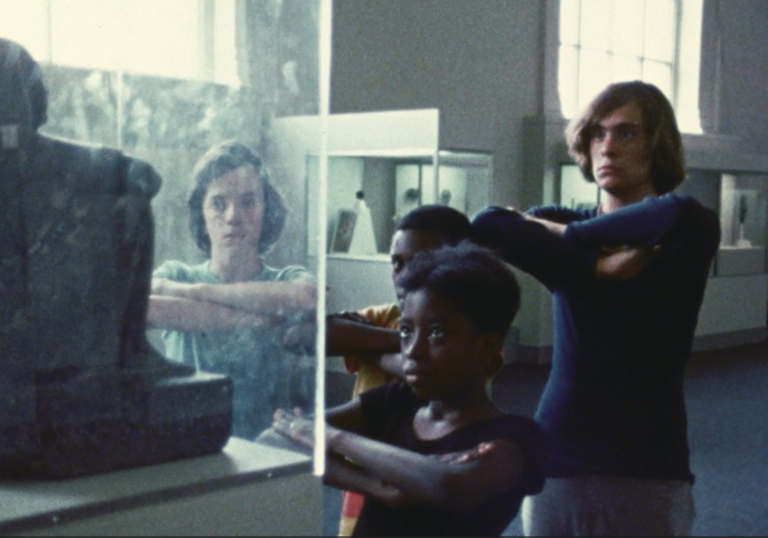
point(727, 398)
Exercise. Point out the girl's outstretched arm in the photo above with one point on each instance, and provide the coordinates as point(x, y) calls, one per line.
point(176, 314)
point(416, 477)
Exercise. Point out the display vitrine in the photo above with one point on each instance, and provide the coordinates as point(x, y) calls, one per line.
point(160, 85)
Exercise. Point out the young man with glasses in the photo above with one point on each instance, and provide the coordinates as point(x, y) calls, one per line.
point(627, 279)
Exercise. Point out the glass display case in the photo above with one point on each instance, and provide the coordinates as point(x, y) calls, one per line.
point(575, 192)
point(380, 165)
point(163, 85)
point(368, 194)
point(743, 223)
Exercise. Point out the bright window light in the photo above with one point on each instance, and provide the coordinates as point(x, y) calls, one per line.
point(188, 39)
point(26, 22)
point(142, 36)
point(606, 41)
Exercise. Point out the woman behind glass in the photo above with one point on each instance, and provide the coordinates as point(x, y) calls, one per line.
point(227, 314)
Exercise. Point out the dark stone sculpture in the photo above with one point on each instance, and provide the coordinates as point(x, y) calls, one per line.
point(82, 391)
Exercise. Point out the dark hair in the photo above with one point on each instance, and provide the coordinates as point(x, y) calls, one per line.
point(666, 147)
point(449, 223)
point(476, 281)
point(20, 62)
point(216, 162)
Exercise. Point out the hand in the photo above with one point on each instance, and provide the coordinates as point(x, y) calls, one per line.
point(468, 456)
point(625, 263)
point(554, 227)
point(295, 426)
point(170, 288)
point(158, 286)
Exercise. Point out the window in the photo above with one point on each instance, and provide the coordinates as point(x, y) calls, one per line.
point(173, 38)
point(605, 41)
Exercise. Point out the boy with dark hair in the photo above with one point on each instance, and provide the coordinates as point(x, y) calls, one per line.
point(369, 339)
point(409, 447)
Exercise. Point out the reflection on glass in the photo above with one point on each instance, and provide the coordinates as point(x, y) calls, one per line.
point(257, 62)
point(229, 313)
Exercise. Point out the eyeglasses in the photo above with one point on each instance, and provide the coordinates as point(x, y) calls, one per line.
point(623, 133)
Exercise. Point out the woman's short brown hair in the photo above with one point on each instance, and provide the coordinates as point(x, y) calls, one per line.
point(216, 162)
point(666, 147)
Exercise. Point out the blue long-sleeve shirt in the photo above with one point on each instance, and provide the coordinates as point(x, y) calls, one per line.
point(614, 402)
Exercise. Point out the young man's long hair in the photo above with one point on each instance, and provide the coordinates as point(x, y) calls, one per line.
point(660, 125)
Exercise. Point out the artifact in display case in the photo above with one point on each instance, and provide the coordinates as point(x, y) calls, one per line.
point(395, 184)
point(744, 223)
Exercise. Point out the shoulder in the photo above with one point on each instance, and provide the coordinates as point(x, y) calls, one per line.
point(181, 272)
point(102, 169)
point(529, 438)
point(523, 430)
point(690, 211)
point(491, 214)
point(287, 273)
point(680, 202)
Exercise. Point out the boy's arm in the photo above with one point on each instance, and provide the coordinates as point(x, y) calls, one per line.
point(348, 337)
point(175, 314)
point(533, 248)
point(642, 224)
point(624, 263)
point(363, 341)
point(274, 298)
point(618, 264)
point(360, 340)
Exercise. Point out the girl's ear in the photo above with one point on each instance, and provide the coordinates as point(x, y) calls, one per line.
point(495, 366)
point(491, 345)
point(491, 341)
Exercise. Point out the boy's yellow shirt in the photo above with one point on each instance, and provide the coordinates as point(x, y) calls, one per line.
point(370, 376)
